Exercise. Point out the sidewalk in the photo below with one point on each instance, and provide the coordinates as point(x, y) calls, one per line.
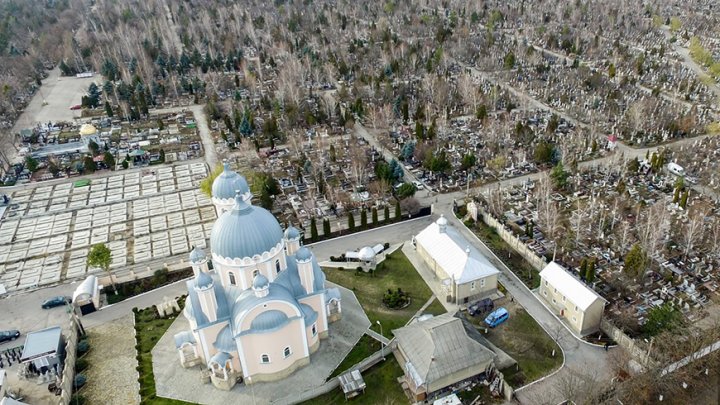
point(429, 277)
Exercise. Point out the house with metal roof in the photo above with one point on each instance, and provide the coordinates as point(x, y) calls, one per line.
point(436, 353)
point(45, 349)
point(465, 273)
point(571, 299)
point(264, 308)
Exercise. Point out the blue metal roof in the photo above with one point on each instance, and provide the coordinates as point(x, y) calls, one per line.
point(225, 341)
point(182, 338)
point(245, 231)
point(309, 314)
point(268, 320)
point(220, 358)
point(192, 303)
point(228, 183)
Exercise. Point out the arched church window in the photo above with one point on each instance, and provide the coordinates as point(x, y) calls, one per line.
point(287, 352)
point(255, 273)
point(232, 278)
point(265, 358)
point(277, 266)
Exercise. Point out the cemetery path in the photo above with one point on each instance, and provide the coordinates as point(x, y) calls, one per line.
point(688, 61)
point(202, 125)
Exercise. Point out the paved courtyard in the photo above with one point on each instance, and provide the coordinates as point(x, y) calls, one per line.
point(173, 381)
point(143, 216)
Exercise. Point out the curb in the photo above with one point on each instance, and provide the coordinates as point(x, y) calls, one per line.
point(368, 230)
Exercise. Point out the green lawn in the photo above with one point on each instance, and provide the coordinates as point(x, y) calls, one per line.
point(382, 387)
point(149, 329)
point(525, 272)
point(526, 342)
point(364, 348)
point(394, 272)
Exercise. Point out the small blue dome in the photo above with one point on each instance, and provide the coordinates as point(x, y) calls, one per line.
point(292, 233)
point(260, 282)
point(220, 358)
point(203, 280)
point(197, 255)
point(269, 320)
point(228, 183)
point(303, 254)
point(245, 231)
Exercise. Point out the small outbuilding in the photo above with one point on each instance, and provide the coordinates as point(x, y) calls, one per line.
point(352, 384)
point(86, 297)
point(45, 349)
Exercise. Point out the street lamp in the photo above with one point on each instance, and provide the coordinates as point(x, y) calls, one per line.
point(382, 344)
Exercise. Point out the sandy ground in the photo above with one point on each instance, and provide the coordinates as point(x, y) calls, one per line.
point(111, 375)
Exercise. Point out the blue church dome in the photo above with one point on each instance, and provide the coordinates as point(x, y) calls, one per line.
point(197, 255)
point(228, 183)
point(203, 280)
point(292, 233)
point(260, 281)
point(245, 231)
point(303, 254)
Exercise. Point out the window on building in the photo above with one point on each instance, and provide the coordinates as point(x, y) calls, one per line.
point(482, 283)
point(554, 302)
point(472, 285)
point(265, 359)
point(575, 308)
point(232, 278)
point(545, 293)
point(574, 319)
point(314, 330)
point(546, 282)
point(287, 352)
point(255, 273)
point(277, 266)
point(556, 291)
point(563, 298)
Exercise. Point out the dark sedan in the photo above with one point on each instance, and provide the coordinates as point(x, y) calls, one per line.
point(6, 335)
point(56, 302)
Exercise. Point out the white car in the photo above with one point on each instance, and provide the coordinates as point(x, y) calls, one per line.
point(418, 185)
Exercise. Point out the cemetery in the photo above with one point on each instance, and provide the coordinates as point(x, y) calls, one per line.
point(146, 217)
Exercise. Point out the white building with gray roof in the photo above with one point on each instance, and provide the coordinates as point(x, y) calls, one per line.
point(263, 309)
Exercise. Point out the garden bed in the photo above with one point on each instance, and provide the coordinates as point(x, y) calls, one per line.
point(136, 287)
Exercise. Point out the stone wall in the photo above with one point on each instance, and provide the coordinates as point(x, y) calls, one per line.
point(68, 374)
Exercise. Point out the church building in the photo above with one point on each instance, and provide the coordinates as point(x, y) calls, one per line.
point(263, 308)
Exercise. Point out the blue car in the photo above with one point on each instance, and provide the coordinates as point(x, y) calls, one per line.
point(497, 317)
point(56, 302)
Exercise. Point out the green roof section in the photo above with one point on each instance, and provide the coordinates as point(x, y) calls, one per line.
point(81, 183)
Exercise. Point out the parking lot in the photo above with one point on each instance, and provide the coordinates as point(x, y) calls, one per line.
point(141, 215)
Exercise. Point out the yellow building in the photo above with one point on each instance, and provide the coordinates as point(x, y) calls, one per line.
point(571, 299)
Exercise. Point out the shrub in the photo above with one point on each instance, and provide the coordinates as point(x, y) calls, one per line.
point(80, 365)
point(395, 299)
point(82, 347)
point(386, 245)
point(77, 399)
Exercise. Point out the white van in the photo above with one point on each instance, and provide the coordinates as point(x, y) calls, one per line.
point(676, 169)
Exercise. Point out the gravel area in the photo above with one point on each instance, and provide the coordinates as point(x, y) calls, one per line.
point(111, 374)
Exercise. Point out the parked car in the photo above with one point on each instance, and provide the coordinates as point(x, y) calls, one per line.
point(6, 335)
point(56, 302)
point(76, 107)
point(497, 317)
point(482, 306)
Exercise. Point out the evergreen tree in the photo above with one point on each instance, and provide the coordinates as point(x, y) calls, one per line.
point(326, 227)
point(398, 211)
point(684, 199)
point(31, 164)
point(108, 109)
point(386, 213)
point(109, 160)
point(363, 219)
point(374, 216)
point(582, 272)
point(635, 261)
point(590, 274)
point(89, 164)
point(351, 222)
point(313, 229)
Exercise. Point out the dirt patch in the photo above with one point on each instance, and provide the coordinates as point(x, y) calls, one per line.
point(111, 374)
